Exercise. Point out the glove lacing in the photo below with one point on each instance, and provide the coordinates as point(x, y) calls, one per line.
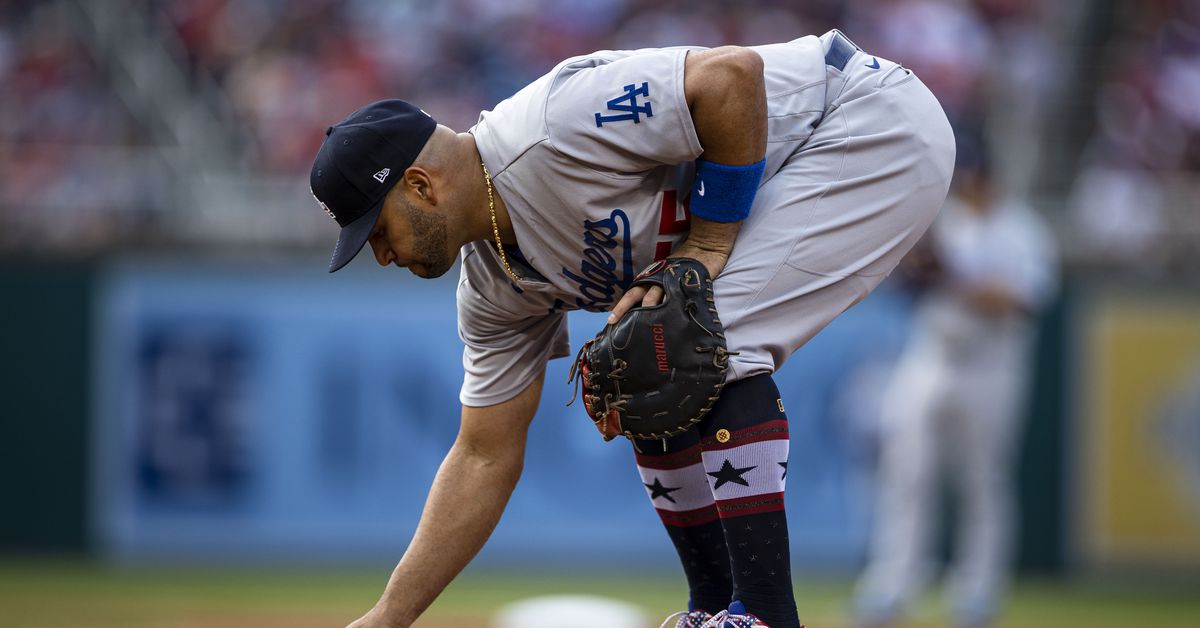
point(577, 369)
point(601, 406)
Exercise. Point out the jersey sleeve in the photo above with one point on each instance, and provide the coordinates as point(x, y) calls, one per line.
point(502, 353)
point(623, 112)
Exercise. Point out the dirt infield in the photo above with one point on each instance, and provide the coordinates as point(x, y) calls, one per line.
point(39, 594)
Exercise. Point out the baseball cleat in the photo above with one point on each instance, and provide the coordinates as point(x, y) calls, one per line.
point(735, 617)
point(687, 619)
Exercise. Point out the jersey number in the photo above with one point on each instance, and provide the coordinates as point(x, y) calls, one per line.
point(675, 221)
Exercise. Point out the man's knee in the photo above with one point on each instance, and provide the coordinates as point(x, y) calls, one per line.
point(745, 403)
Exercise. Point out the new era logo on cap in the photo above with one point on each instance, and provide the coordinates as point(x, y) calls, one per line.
point(323, 205)
point(381, 176)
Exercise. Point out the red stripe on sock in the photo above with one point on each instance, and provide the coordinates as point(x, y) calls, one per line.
point(771, 430)
point(688, 518)
point(670, 461)
point(753, 505)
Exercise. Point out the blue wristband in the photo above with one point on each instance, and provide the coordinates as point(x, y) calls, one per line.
point(723, 193)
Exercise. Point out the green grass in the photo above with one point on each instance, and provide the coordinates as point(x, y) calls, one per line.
point(41, 594)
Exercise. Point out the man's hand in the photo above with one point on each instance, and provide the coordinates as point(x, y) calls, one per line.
point(464, 505)
point(709, 243)
point(375, 618)
point(639, 296)
point(994, 300)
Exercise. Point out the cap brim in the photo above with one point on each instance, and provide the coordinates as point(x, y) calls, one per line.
point(353, 236)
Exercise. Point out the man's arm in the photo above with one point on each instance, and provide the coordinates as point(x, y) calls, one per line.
point(464, 505)
point(726, 94)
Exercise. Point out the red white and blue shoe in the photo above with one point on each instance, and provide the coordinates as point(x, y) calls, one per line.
point(735, 617)
point(691, 618)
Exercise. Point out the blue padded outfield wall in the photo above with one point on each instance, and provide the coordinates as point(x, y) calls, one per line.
point(267, 414)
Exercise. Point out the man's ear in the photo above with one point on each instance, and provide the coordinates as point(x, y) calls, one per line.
point(421, 184)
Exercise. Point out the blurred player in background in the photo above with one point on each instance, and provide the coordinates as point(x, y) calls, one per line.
point(954, 406)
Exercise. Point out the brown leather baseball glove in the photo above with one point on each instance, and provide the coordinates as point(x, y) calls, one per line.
point(658, 370)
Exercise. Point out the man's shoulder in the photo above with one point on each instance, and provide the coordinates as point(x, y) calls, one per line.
point(570, 66)
point(525, 110)
point(507, 131)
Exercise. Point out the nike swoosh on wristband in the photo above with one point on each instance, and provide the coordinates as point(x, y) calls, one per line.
point(701, 188)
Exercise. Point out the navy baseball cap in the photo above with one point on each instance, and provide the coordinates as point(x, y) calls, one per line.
point(360, 160)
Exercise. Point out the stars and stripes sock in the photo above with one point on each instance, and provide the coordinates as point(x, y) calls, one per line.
point(744, 449)
point(674, 477)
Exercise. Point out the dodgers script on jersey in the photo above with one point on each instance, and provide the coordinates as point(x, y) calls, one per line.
point(594, 161)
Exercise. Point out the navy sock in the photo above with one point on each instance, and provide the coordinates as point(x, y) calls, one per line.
point(744, 445)
point(678, 487)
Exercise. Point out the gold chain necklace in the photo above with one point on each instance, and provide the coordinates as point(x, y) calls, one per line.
point(496, 228)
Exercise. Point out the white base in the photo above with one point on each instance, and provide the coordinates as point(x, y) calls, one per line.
point(569, 611)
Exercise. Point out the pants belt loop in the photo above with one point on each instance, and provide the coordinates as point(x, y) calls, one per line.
point(838, 51)
point(841, 49)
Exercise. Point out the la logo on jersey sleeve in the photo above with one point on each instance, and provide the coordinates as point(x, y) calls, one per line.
point(628, 106)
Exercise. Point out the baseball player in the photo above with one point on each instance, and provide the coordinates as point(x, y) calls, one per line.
point(954, 402)
point(797, 173)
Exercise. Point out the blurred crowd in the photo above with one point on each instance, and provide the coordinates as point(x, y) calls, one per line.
point(1134, 203)
point(69, 149)
point(81, 169)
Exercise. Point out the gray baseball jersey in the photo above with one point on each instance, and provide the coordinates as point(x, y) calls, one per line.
point(594, 162)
